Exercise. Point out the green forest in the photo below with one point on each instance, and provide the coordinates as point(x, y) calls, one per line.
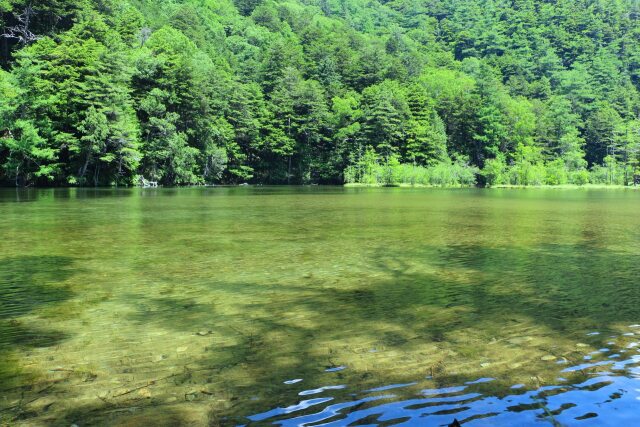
point(434, 92)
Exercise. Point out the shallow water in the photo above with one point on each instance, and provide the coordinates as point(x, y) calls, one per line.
point(313, 306)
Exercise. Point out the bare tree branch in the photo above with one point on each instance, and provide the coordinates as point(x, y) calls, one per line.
point(144, 35)
point(21, 32)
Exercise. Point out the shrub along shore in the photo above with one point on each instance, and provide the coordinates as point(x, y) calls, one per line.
point(374, 171)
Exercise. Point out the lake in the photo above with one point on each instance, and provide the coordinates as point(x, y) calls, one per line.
point(319, 306)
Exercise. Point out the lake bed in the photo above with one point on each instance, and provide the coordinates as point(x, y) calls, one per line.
point(319, 305)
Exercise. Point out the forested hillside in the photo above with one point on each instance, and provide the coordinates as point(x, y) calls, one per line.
point(101, 92)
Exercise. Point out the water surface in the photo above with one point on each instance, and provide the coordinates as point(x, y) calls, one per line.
point(319, 306)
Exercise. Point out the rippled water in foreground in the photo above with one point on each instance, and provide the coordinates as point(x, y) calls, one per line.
point(605, 391)
point(319, 306)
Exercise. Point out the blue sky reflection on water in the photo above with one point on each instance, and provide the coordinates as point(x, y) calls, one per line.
point(609, 397)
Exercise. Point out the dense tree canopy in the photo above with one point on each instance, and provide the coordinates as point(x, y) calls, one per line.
point(102, 92)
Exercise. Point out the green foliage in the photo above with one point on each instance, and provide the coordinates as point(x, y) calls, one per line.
point(495, 171)
point(27, 155)
point(372, 169)
point(610, 173)
point(528, 168)
point(202, 92)
point(580, 177)
point(556, 173)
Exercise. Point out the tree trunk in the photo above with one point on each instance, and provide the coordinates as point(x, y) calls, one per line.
point(83, 169)
point(96, 175)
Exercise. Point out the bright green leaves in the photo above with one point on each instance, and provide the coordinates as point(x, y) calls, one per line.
point(79, 100)
point(184, 133)
point(558, 132)
point(168, 157)
point(27, 155)
point(386, 112)
point(94, 129)
point(203, 91)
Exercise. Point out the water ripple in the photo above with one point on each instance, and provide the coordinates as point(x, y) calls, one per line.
point(609, 396)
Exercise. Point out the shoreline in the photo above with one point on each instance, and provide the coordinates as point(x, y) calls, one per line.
point(504, 186)
point(351, 185)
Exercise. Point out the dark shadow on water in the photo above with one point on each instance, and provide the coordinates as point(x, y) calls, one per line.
point(175, 312)
point(571, 290)
point(28, 284)
point(566, 290)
